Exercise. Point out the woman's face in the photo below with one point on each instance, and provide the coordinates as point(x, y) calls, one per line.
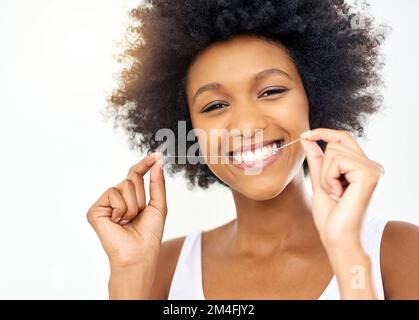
point(246, 86)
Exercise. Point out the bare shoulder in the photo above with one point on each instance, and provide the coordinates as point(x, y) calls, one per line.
point(166, 265)
point(169, 254)
point(400, 260)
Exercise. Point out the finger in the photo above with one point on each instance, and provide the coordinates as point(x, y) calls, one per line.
point(354, 169)
point(331, 185)
point(337, 187)
point(127, 190)
point(158, 188)
point(146, 163)
point(331, 135)
point(342, 148)
point(113, 200)
point(362, 176)
point(342, 163)
point(136, 175)
point(314, 155)
point(138, 181)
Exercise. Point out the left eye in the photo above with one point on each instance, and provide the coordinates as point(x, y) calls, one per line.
point(273, 91)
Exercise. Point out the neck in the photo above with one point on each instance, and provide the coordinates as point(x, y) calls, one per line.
point(285, 221)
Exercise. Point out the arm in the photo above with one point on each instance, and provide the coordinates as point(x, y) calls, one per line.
point(353, 270)
point(400, 260)
point(132, 282)
point(343, 181)
point(130, 230)
point(166, 267)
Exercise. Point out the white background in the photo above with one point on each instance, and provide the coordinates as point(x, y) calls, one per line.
point(58, 152)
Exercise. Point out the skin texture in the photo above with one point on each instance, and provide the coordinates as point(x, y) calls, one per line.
point(283, 244)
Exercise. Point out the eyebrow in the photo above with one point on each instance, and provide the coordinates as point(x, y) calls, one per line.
point(256, 77)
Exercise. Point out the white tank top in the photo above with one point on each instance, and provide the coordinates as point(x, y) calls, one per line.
point(187, 280)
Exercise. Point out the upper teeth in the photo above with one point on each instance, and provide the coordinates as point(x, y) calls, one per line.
point(257, 154)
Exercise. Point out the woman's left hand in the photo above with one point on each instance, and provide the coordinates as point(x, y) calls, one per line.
point(343, 181)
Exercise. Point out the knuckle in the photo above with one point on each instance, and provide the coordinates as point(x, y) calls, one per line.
point(375, 168)
point(89, 216)
point(377, 172)
point(371, 176)
point(131, 175)
point(132, 170)
point(112, 190)
point(379, 167)
point(371, 181)
point(126, 184)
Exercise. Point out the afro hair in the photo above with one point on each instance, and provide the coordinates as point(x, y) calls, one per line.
point(334, 47)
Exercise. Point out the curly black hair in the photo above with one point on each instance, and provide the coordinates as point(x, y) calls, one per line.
point(338, 60)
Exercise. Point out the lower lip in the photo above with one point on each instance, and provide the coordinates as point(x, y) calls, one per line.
point(256, 164)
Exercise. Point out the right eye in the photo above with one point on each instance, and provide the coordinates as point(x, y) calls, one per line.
point(213, 107)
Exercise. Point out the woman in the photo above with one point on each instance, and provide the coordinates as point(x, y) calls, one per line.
point(281, 68)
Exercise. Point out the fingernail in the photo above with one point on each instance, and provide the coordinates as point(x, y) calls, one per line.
point(306, 135)
point(117, 219)
point(123, 222)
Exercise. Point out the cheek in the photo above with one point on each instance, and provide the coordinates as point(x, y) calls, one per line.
point(209, 146)
point(210, 150)
point(292, 114)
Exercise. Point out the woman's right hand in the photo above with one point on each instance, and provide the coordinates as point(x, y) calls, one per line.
point(129, 229)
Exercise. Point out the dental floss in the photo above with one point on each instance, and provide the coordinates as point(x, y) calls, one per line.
point(290, 143)
point(165, 158)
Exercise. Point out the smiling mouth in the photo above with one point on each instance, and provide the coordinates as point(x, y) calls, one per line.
point(256, 154)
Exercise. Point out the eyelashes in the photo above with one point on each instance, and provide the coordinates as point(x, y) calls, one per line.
point(276, 90)
point(219, 105)
point(212, 107)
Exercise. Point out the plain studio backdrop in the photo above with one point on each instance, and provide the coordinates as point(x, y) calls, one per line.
point(59, 153)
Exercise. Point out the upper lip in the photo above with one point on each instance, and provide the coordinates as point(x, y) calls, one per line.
point(253, 146)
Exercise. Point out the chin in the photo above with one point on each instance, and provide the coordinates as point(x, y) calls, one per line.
point(262, 190)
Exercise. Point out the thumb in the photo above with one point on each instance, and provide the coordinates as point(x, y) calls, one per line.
point(314, 156)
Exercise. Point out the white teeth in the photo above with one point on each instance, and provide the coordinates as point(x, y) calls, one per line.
point(237, 157)
point(268, 149)
point(266, 152)
point(250, 156)
point(258, 154)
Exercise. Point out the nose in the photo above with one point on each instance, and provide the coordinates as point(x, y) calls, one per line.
point(247, 118)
